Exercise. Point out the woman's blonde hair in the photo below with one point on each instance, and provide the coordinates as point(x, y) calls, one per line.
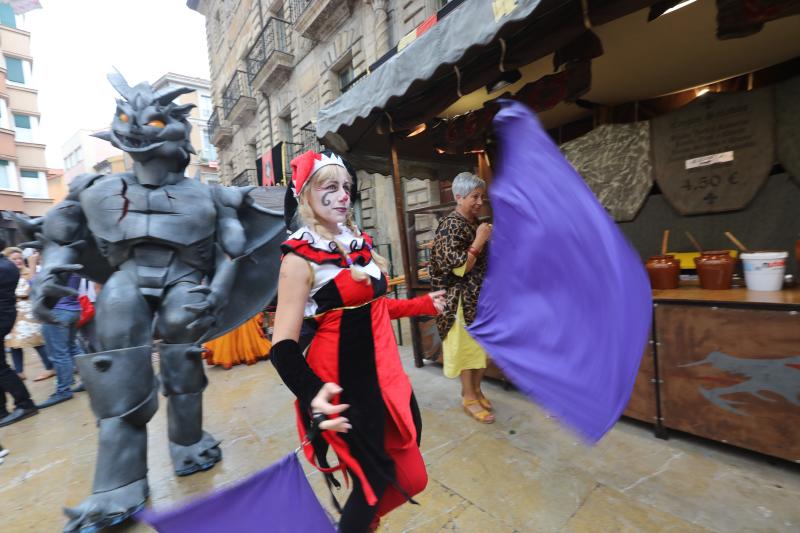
point(11, 250)
point(308, 217)
point(24, 271)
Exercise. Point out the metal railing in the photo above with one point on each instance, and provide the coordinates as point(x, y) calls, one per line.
point(245, 178)
point(213, 123)
point(273, 38)
point(308, 136)
point(296, 8)
point(237, 88)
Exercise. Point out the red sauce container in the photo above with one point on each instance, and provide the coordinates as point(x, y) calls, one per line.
point(664, 271)
point(797, 254)
point(715, 269)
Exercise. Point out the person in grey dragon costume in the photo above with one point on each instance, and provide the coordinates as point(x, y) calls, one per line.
point(171, 252)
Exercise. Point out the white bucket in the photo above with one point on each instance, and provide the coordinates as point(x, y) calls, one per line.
point(763, 271)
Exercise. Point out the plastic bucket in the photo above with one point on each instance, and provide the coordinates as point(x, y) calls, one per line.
point(763, 271)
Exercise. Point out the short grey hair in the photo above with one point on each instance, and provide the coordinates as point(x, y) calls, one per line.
point(465, 183)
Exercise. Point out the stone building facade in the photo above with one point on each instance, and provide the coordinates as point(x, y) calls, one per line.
point(275, 63)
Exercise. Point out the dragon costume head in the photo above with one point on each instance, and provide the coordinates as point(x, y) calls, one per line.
point(148, 124)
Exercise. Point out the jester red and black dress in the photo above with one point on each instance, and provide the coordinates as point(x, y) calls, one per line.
point(354, 346)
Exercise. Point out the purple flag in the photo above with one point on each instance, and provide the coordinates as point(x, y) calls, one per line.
point(565, 306)
point(276, 500)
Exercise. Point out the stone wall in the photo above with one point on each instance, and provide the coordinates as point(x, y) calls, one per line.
point(370, 30)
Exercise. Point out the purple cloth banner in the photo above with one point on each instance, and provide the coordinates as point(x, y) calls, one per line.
point(565, 306)
point(275, 500)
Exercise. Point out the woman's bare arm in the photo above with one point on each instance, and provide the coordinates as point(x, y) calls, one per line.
point(294, 286)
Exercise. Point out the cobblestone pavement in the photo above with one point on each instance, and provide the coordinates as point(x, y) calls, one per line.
point(524, 473)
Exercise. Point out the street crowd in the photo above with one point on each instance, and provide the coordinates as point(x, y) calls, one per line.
point(57, 343)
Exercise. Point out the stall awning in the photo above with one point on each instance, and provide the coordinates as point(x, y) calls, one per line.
point(456, 39)
point(456, 55)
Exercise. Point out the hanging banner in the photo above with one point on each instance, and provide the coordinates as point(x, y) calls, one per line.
point(614, 160)
point(787, 111)
point(267, 170)
point(715, 153)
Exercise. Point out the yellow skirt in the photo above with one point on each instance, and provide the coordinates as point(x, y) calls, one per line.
point(245, 344)
point(460, 351)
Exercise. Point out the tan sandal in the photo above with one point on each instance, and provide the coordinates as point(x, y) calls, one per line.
point(485, 402)
point(483, 416)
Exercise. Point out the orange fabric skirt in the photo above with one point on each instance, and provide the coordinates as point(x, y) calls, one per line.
point(245, 344)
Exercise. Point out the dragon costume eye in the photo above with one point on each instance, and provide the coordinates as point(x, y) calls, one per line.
point(157, 123)
point(123, 117)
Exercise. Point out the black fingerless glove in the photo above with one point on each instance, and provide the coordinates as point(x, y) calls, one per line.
point(288, 360)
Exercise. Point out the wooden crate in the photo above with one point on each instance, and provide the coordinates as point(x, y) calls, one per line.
point(642, 405)
point(732, 375)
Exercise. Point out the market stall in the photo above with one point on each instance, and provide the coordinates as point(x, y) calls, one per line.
point(686, 134)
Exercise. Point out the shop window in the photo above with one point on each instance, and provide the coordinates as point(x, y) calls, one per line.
point(7, 17)
point(5, 177)
point(14, 70)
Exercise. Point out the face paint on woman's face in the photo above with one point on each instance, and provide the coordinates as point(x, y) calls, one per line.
point(330, 198)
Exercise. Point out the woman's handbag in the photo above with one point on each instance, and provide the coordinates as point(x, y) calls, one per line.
point(87, 310)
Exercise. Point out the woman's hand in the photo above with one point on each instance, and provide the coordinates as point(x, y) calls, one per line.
point(33, 260)
point(439, 300)
point(482, 235)
point(322, 404)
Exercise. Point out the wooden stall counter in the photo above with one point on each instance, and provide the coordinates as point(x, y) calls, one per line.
point(786, 297)
point(728, 366)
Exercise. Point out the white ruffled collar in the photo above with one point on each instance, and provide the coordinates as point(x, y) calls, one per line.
point(345, 237)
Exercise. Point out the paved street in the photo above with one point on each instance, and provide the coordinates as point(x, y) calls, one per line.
point(523, 473)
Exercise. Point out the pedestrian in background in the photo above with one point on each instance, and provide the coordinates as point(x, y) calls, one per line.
point(9, 380)
point(27, 331)
point(62, 343)
point(458, 265)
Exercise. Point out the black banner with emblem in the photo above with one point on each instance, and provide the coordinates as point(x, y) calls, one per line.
point(715, 153)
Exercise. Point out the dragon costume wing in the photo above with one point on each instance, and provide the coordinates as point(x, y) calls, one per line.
point(256, 281)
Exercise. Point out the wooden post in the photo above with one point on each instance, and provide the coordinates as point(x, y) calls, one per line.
point(399, 204)
point(409, 272)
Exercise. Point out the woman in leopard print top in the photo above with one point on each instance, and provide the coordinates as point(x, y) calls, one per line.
point(458, 265)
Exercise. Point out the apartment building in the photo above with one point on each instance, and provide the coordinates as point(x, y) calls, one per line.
point(203, 165)
point(23, 170)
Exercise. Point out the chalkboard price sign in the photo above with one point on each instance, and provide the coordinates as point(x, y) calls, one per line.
point(715, 153)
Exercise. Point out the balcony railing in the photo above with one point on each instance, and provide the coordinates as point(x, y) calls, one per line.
point(213, 123)
point(237, 89)
point(273, 38)
point(219, 133)
point(308, 134)
point(245, 178)
point(296, 8)
point(318, 19)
